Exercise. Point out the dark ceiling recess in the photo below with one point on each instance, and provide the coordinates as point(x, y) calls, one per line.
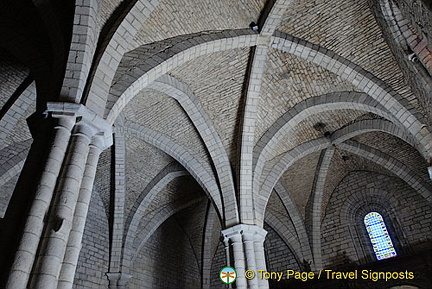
point(319, 126)
point(345, 158)
point(39, 37)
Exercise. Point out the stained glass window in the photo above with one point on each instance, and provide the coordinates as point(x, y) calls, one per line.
point(379, 236)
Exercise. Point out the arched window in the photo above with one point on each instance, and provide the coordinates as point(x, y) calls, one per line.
point(379, 236)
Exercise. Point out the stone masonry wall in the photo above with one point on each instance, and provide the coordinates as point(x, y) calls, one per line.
point(411, 213)
point(419, 17)
point(278, 256)
point(94, 256)
point(12, 74)
point(166, 261)
point(218, 262)
point(419, 14)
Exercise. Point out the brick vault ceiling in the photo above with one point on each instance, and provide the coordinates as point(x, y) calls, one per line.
point(218, 81)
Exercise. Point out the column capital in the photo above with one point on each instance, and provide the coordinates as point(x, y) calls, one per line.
point(85, 119)
point(257, 232)
point(99, 141)
point(118, 279)
point(260, 234)
point(247, 245)
point(40, 123)
point(248, 236)
point(225, 240)
point(231, 232)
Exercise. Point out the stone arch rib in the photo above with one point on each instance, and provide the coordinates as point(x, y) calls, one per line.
point(405, 35)
point(364, 81)
point(278, 166)
point(208, 250)
point(296, 218)
point(151, 226)
point(12, 159)
point(398, 168)
point(288, 121)
point(226, 205)
point(316, 208)
point(153, 66)
point(270, 19)
point(275, 168)
point(338, 137)
point(15, 108)
point(365, 126)
point(112, 48)
point(191, 105)
point(286, 233)
point(158, 183)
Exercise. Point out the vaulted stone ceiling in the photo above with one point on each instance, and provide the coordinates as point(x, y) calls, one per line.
point(315, 89)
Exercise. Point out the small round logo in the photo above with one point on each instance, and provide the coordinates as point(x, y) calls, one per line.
point(227, 275)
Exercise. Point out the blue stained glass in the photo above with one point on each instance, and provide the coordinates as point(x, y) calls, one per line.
point(379, 236)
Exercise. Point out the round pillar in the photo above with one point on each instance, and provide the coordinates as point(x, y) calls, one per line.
point(67, 272)
point(248, 241)
point(259, 238)
point(60, 219)
point(34, 224)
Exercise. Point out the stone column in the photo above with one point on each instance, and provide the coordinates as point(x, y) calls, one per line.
point(226, 243)
point(67, 272)
point(59, 224)
point(233, 234)
point(119, 200)
point(52, 247)
point(259, 238)
point(34, 224)
point(247, 245)
point(118, 280)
